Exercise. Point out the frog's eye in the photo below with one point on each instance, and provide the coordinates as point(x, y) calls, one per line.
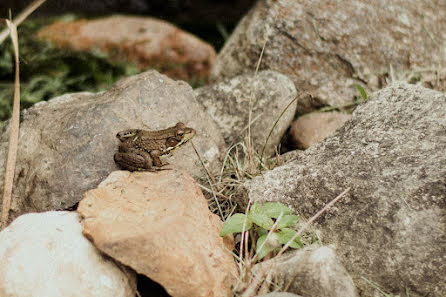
point(180, 133)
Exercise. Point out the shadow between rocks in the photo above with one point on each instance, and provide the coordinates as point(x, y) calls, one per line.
point(149, 288)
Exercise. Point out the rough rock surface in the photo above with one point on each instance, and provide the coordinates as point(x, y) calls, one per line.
point(279, 294)
point(309, 272)
point(327, 47)
point(391, 226)
point(268, 92)
point(159, 225)
point(66, 145)
point(46, 254)
point(314, 127)
point(147, 42)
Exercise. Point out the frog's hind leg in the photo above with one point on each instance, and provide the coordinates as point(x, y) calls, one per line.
point(134, 160)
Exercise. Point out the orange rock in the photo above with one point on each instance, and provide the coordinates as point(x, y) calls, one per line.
point(159, 225)
point(314, 127)
point(146, 42)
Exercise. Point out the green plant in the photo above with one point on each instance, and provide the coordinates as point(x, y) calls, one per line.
point(271, 223)
point(362, 92)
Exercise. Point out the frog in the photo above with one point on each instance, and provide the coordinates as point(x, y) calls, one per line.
point(140, 150)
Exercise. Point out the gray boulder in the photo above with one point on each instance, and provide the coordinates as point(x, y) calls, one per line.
point(66, 145)
point(327, 47)
point(310, 272)
point(228, 104)
point(391, 226)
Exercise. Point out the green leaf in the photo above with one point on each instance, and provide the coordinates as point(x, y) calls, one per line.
point(287, 221)
point(261, 220)
point(273, 209)
point(265, 249)
point(255, 208)
point(286, 234)
point(362, 92)
point(234, 224)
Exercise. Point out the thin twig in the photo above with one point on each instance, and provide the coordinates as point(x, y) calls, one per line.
point(13, 131)
point(202, 163)
point(392, 74)
point(257, 280)
point(250, 106)
point(310, 221)
point(21, 17)
point(226, 157)
point(243, 231)
point(376, 287)
point(212, 192)
point(270, 232)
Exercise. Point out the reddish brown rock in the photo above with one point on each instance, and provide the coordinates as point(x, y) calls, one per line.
point(159, 225)
point(146, 42)
point(314, 127)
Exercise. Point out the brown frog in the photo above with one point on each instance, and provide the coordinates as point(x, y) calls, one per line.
point(141, 149)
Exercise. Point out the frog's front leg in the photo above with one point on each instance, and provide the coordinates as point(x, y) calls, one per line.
point(155, 154)
point(134, 159)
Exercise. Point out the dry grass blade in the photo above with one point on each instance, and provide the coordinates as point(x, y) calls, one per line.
point(21, 17)
point(211, 180)
point(244, 237)
point(202, 163)
point(13, 131)
point(275, 124)
point(270, 233)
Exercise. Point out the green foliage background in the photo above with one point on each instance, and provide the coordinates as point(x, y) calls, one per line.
point(47, 72)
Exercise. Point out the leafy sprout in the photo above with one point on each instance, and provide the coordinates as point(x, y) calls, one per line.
point(272, 221)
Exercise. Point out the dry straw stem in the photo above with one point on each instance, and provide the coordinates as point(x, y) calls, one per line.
point(251, 165)
point(273, 228)
point(209, 177)
point(13, 131)
point(313, 218)
point(244, 238)
point(21, 17)
point(275, 123)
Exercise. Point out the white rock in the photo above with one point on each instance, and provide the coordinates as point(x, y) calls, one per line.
point(45, 255)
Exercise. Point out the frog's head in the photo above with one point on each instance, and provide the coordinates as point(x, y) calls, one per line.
point(182, 134)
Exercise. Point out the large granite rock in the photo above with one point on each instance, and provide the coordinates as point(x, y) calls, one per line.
point(46, 254)
point(159, 225)
point(66, 145)
point(267, 94)
point(327, 47)
point(391, 226)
